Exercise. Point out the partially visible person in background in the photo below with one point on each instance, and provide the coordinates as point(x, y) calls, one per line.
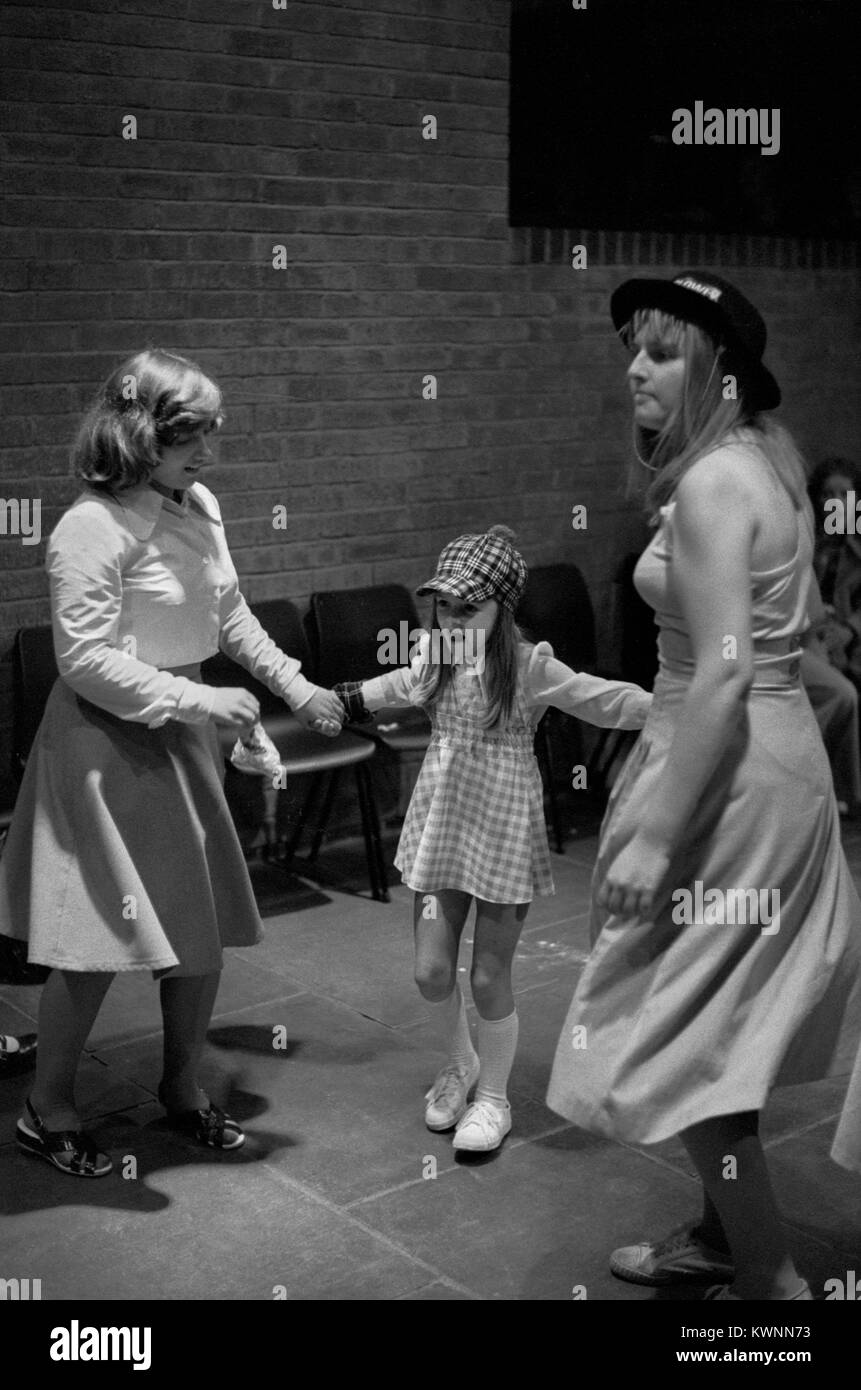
point(834, 699)
point(834, 490)
point(831, 656)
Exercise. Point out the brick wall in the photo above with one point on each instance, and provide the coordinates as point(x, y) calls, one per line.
point(302, 127)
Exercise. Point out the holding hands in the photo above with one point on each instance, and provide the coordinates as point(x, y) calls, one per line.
point(323, 713)
point(238, 708)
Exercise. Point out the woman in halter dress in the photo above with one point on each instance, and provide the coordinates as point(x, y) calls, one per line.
point(726, 926)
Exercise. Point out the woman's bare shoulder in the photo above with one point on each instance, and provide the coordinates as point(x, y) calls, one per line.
point(722, 477)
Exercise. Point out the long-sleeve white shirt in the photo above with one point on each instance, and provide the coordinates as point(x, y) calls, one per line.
point(546, 681)
point(140, 583)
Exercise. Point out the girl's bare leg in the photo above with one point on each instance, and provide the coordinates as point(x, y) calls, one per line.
point(438, 920)
point(497, 932)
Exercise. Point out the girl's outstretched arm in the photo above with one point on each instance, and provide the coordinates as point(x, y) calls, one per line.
point(397, 688)
point(609, 704)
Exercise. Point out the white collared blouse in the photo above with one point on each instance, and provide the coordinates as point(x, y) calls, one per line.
point(141, 584)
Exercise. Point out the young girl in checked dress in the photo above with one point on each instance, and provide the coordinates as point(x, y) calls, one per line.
point(475, 825)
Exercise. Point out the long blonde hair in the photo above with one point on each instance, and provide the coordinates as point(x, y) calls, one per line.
point(500, 669)
point(707, 416)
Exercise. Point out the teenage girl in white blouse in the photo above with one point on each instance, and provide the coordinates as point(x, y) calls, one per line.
point(122, 854)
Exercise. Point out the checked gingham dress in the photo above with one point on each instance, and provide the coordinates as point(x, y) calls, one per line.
point(476, 818)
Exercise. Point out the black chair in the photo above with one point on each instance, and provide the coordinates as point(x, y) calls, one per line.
point(344, 629)
point(302, 751)
point(34, 670)
point(556, 607)
point(639, 657)
point(8, 795)
point(34, 674)
point(639, 630)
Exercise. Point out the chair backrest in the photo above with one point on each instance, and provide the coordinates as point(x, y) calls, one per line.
point(556, 608)
point(639, 631)
point(281, 621)
point(344, 628)
point(35, 671)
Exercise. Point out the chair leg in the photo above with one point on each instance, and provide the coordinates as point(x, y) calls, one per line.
point(555, 816)
point(325, 813)
point(292, 844)
point(270, 817)
point(371, 830)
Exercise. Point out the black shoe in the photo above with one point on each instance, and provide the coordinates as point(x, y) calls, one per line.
point(69, 1150)
point(209, 1126)
point(13, 1063)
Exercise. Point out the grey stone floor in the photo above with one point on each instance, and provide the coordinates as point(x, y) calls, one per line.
point(340, 1192)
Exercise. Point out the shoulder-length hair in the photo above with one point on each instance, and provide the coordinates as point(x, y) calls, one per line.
point(153, 400)
point(710, 414)
point(500, 669)
point(834, 463)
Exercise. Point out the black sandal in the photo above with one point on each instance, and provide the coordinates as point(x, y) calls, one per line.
point(210, 1127)
point(84, 1159)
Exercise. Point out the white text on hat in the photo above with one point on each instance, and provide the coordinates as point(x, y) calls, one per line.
point(689, 283)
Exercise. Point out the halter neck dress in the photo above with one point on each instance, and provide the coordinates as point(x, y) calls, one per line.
point(689, 1021)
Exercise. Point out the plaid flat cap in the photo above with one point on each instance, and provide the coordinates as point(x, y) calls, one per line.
point(477, 568)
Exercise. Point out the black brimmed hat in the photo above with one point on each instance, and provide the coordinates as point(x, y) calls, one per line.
point(700, 297)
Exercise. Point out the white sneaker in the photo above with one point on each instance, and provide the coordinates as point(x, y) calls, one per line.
point(483, 1127)
point(446, 1099)
point(256, 754)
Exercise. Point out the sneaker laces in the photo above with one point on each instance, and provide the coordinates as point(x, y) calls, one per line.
point(449, 1083)
point(679, 1239)
point(485, 1115)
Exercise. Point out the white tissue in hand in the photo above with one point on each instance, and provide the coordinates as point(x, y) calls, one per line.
point(256, 754)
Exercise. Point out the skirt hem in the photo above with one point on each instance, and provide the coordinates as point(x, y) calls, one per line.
point(476, 893)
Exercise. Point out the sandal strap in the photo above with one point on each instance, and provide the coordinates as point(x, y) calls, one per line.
point(211, 1125)
point(84, 1151)
point(206, 1125)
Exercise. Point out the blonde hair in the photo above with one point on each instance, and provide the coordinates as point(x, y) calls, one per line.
point(147, 404)
point(500, 669)
point(705, 417)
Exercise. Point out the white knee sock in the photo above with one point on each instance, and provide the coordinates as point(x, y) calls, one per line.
point(497, 1044)
point(452, 1011)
